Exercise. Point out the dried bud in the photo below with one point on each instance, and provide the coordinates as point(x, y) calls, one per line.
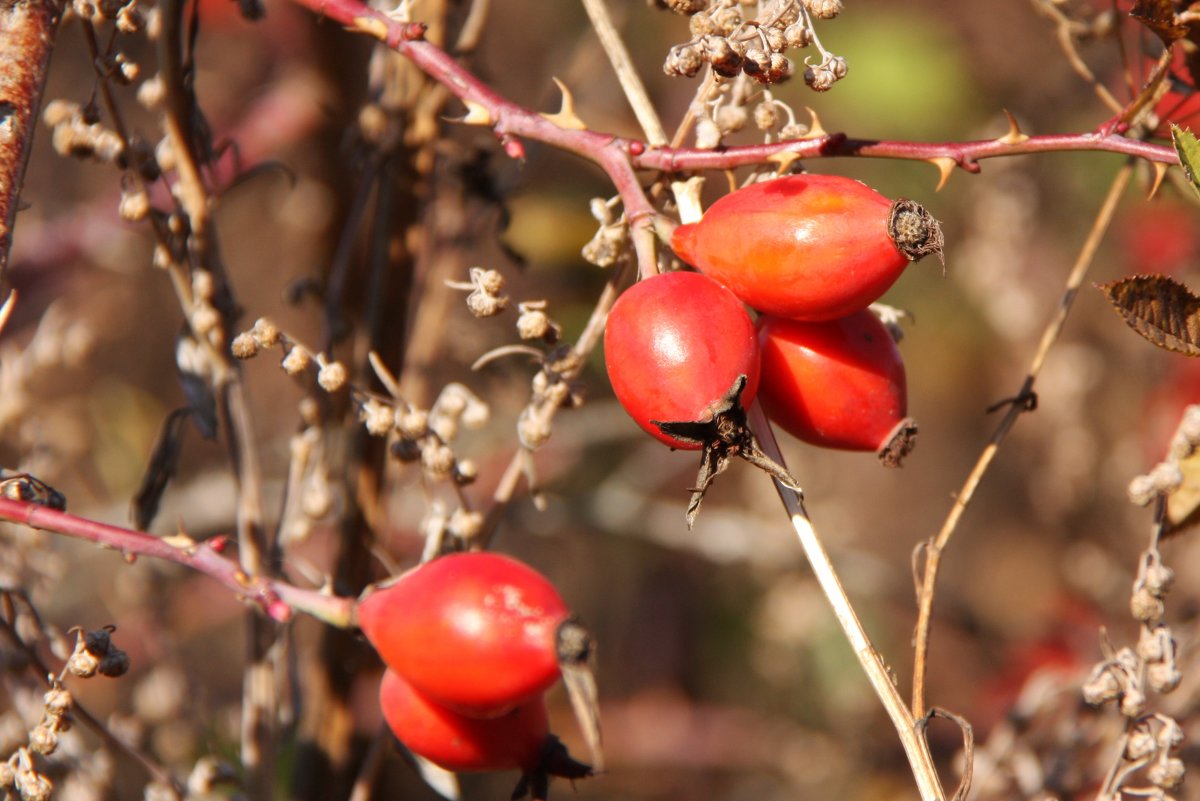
point(727, 20)
point(413, 424)
point(377, 416)
point(776, 41)
point(296, 361)
point(838, 66)
point(58, 701)
point(244, 346)
point(1102, 686)
point(1145, 607)
point(266, 332)
point(1155, 643)
point(534, 323)
point(466, 524)
point(1133, 701)
point(83, 664)
point(134, 205)
point(1167, 774)
point(1163, 677)
point(756, 61)
point(445, 426)
point(766, 115)
point(465, 472)
point(44, 737)
point(1158, 579)
point(532, 430)
point(797, 35)
point(489, 281)
point(114, 664)
point(1170, 736)
point(406, 450)
point(332, 376)
point(437, 459)
point(793, 130)
point(819, 79)
point(482, 304)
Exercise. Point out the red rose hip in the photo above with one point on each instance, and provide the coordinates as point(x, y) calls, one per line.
point(676, 346)
point(837, 384)
point(808, 247)
point(479, 633)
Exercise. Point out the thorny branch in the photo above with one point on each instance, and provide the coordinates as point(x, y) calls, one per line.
point(1025, 400)
point(276, 598)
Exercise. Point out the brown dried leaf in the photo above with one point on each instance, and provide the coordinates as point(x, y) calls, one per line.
point(1162, 310)
point(1159, 16)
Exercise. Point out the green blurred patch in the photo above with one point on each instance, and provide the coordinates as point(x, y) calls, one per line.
point(908, 78)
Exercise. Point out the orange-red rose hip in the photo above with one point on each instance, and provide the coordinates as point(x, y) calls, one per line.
point(808, 247)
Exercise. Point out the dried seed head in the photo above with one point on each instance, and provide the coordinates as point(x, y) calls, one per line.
point(684, 60)
point(824, 9)
point(838, 66)
point(1167, 774)
point(1152, 645)
point(1102, 686)
point(296, 361)
point(756, 61)
point(1141, 745)
point(83, 663)
point(1170, 735)
point(766, 115)
point(489, 281)
point(266, 332)
point(731, 119)
point(58, 112)
point(7, 775)
point(130, 20)
point(1145, 607)
point(476, 414)
point(727, 20)
point(793, 130)
point(779, 70)
point(701, 25)
point(332, 376)
point(1159, 579)
point(819, 79)
point(413, 424)
point(151, 93)
point(687, 6)
point(32, 785)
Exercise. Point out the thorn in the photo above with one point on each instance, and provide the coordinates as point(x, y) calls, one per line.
point(687, 198)
point(180, 542)
point(1160, 170)
point(371, 27)
point(784, 160)
point(477, 114)
point(566, 118)
point(815, 129)
point(1014, 135)
point(945, 166)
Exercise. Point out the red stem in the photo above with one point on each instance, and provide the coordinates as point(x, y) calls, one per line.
point(277, 598)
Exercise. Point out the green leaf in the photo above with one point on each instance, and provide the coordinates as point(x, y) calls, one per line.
point(1188, 148)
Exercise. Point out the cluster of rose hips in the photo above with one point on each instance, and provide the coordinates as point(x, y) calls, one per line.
point(471, 642)
point(732, 44)
point(810, 254)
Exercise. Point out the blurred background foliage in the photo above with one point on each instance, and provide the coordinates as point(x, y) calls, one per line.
point(722, 673)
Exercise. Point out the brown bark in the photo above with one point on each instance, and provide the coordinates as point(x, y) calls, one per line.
point(27, 29)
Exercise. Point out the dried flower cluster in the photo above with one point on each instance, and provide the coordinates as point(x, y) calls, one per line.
point(611, 240)
point(1149, 764)
point(734, 44)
